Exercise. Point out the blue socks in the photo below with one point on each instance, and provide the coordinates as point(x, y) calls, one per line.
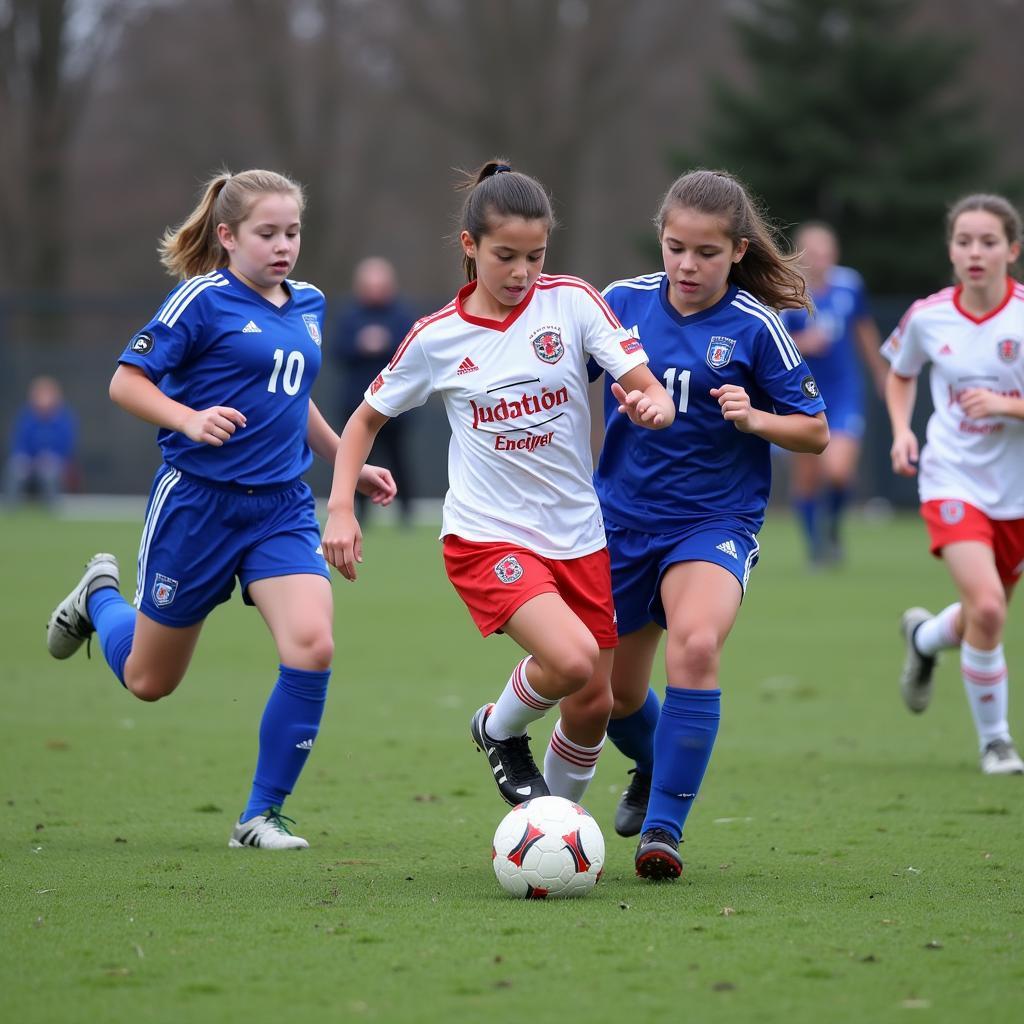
point(806, 510)
point(291, 721)
point(634, 734)
point(683, 743)
point(114, 620)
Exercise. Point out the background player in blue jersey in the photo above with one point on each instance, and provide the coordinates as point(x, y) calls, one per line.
point(833, 339)
point(224, 369)
point(683, 506)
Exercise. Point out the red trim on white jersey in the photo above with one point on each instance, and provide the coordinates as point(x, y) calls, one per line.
point(482, 321)
point(944, 296)
point(959, 290)
point(416, 328)
point(546, 281)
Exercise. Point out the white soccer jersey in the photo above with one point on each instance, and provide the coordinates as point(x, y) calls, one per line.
point(519, 461)
point(980, 461)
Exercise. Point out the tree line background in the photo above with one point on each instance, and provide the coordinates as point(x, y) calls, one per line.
point(870, 114)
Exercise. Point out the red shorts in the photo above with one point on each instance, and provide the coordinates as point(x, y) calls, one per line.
point(950, 520)
point(494, 579)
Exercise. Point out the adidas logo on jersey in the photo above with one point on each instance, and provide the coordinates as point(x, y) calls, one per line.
point(945, 351)
point(304, 745)
point(729, 548)
point(467, 366)
point(251, 328)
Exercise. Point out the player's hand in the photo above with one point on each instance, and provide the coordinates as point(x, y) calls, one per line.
point(640, 409)
point(980, 402)
point(735, 405)
point(343, 543)
point(377, 484)
point(212, 426)
point(904, 453)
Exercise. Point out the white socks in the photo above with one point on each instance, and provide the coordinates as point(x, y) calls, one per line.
point(518, 706)
point(569, 766)
point(985, 682)
point(939, 632)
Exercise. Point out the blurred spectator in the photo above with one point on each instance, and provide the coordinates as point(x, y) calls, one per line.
point(42, 450)
point(834, 340)
point(369, 330)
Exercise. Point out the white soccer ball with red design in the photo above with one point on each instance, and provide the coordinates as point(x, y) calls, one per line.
point(548, 847)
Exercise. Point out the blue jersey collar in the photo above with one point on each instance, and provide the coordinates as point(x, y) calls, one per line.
point(693, 318)
point(250, 293)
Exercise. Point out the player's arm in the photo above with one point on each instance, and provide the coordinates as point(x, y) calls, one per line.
point(795, 431)
point(643, 399)
point(869, 341)
point(342, 538)
point(375, 482)
point(900, 394)
point(133, 391)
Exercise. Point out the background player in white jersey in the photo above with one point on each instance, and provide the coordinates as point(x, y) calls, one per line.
point(225, 369)
point(971, 471)
point(524, 542)
point(834, 339)
point(683, 507)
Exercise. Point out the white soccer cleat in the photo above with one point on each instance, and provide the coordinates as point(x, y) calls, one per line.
point(69, 625)
point(918, 668)
point(268, 831)
point(1000, 757)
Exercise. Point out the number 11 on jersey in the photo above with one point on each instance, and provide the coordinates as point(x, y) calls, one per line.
point(684, 385)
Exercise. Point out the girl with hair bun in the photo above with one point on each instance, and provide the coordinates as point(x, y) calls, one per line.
point(524, 542)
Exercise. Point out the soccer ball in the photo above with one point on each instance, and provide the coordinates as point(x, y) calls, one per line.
point(548, 847)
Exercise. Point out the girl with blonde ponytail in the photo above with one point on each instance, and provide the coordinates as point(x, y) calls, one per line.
point(224, 370)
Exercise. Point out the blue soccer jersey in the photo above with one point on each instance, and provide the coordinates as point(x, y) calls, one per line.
point(701, 466)
point(215, 341)
point(837, 309)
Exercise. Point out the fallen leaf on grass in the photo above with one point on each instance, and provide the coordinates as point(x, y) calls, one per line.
point(726, 912)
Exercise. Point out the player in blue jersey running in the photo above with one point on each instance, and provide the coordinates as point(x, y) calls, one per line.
point(834, 339)
point(683, 506)
point(224, 369)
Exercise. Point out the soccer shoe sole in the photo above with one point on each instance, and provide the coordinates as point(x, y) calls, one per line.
point(916, 695)
point(659, 863)
point(61, 641)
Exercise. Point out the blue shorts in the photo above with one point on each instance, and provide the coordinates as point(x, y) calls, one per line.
point(200, 535)
point(640, 560)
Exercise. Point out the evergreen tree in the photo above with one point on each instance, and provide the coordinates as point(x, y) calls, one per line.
point(852, 117)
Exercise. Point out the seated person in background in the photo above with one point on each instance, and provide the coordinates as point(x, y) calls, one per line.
point(42, 444)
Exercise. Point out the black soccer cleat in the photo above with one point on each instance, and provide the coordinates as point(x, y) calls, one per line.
point(632, 809)
point(515, 772)
point(657, 856)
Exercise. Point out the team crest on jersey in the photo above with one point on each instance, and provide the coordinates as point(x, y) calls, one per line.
point(142, 344)
point(164, 589)
point(547, 343)
point(720, 351)
point(951, 512)
point(809, 386)
point(1008, 349)
point(509, 569)
point(313, 326)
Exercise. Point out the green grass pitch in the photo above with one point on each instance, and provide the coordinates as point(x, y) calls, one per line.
point(845, 861)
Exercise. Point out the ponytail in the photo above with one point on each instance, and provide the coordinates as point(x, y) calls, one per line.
point(193, 246)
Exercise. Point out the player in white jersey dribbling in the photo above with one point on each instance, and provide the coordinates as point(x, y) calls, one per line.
point(971, 470)
point(524, 542)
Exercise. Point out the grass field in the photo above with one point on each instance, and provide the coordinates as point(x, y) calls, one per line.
point(845, 860)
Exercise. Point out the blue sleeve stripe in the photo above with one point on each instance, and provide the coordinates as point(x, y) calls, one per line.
point(180, 300)
point(783, 342)
point(644, 283)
